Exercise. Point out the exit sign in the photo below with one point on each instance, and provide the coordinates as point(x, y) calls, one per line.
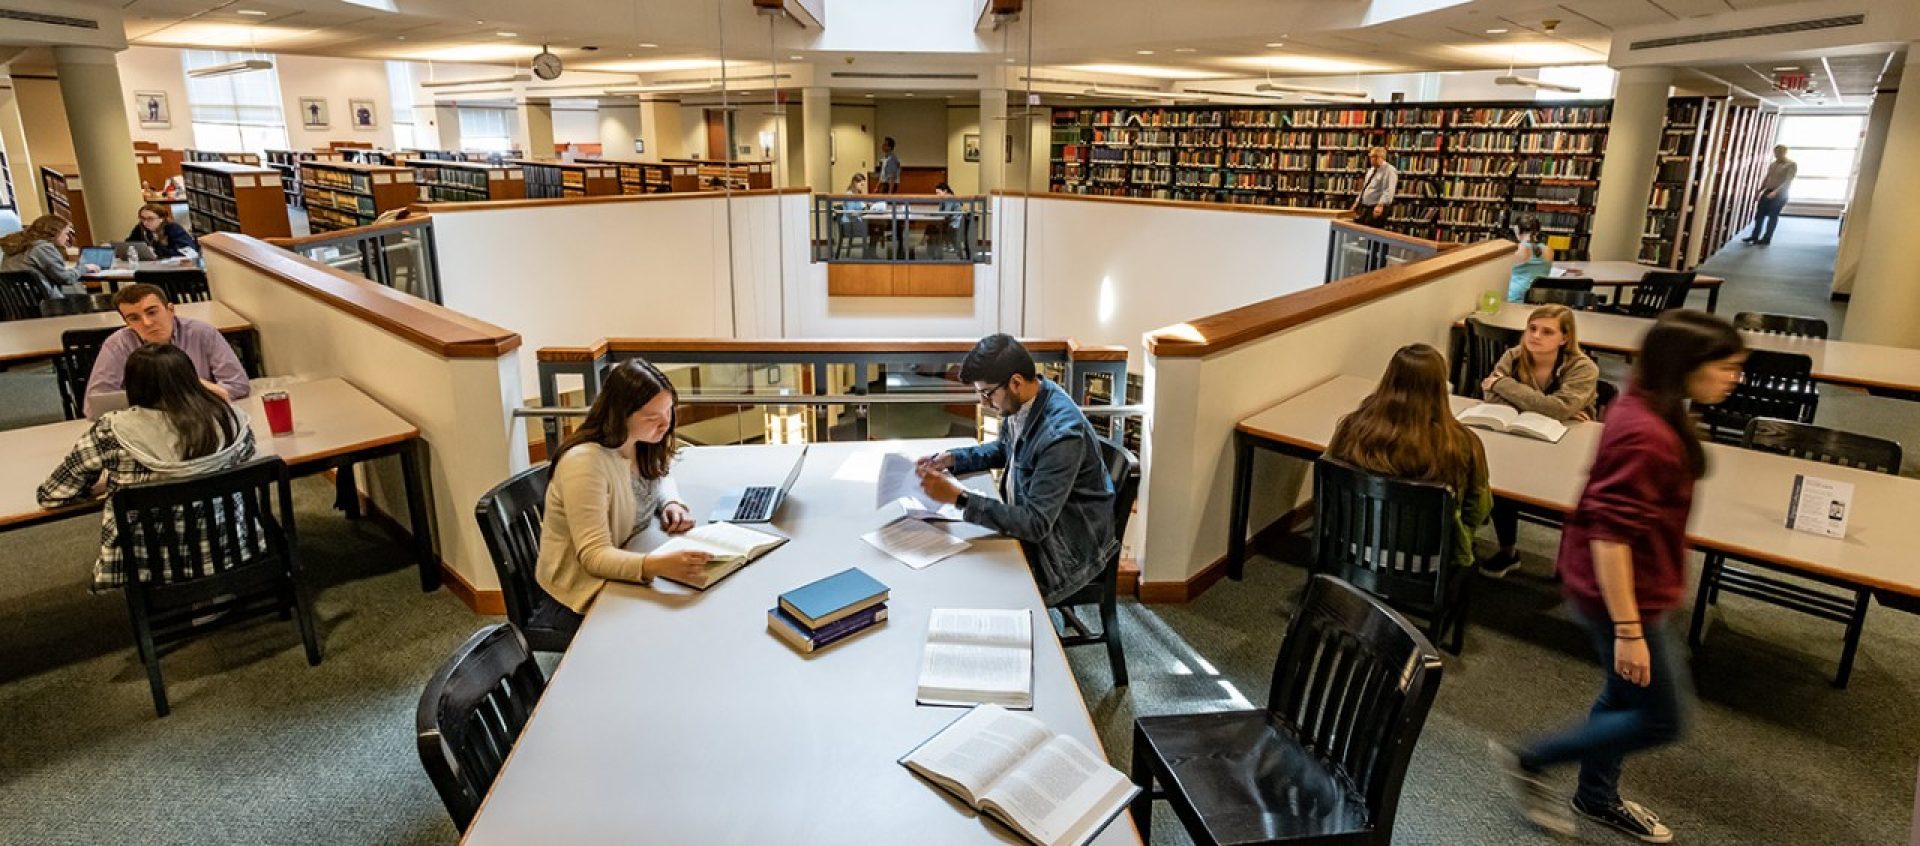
point(1790, 81)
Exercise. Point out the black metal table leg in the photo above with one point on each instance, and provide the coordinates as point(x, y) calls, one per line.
point(1242, 496)
point(417, 516)
point(346, 495)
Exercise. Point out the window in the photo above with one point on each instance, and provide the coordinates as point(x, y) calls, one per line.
point(1826, 148)
point(409, 129)
point(237, 112)
point(488, 129)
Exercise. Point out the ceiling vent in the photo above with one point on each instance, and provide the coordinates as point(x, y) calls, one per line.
point(965, 77)
point(50, 20)
point(1837, 22)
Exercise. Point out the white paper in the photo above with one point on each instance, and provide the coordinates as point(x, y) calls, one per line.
point(900, 483)
point(914, 543)
point(1820, 506)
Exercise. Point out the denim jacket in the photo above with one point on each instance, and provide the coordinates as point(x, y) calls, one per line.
point(1062, 511)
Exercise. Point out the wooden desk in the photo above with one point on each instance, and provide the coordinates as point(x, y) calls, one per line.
point(39, 339)
point(1888, 371)
point(1621, 275)
point(335, 426)
point(677, 718)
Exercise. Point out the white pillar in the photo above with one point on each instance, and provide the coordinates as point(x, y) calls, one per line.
point(1626, 172)
point(1886, 291)
point(619, 126)
point(535, 128)
point(102, 141)
point(660, 129)
point(816, 115)
point(13, 138)
point(1853, 234)
point(994, 175)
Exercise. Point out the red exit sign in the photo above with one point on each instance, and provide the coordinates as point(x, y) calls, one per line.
point(1790, 81)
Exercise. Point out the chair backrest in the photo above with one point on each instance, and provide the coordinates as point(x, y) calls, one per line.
point(21, 292)
point(1390, 537)
point(1781, 324)
point(1355, 681)
point(1576, 300)
point(1124, 471)
point(177, 531)
point(509, 517)
point(78, 350)
point(1604, 393)
point(1562, 283)
point(1773, 384)
point(1660, 290)
point(1816, 443)
point(470, 714)
point(1486, 343)
point(182, 286)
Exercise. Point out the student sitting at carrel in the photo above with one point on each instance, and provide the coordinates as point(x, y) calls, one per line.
point(1406, 430)
point(174, 426)
point(150, 320)
point(1547, 374)
point(158, 230)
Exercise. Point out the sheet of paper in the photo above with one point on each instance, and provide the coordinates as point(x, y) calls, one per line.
point(899, 482)
point(1820, 506)
point(914, 543)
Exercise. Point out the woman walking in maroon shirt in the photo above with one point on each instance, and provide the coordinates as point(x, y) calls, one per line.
point(1623, 561)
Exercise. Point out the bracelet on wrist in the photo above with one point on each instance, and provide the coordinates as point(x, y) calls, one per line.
point(1629, 637)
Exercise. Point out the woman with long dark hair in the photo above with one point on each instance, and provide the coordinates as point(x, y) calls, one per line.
point(609, 479)
point(1623, 566)
point(40, 248)
point(173, 427)
point(1406, 430)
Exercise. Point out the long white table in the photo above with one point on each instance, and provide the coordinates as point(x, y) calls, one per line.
point(39, 338)
point(675, 717)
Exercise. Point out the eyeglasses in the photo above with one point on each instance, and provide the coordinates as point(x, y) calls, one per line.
point(987, 395)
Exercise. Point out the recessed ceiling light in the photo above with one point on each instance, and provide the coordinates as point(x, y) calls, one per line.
point(252, 13)
point(1143, 52)
point(1496, 32)
point(1276, 44)
point(797, 58)
point(648, 44)
point(1183, 49)
point(1788, 67)
point(508, 34)
point(909, 93)
point(1010, 61)
point(868, 96)
point(479, 23)
point(399, 38)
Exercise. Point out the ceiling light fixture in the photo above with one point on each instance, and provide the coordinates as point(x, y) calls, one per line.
point(1247, 94)
point(1275, 45)
point(665, 86)
point(1183, 49)
point(1101, 91)
point(508, 34)
point(797, 58)
point(491, 80)
point(1531, 82)
point(1788, 68)
point(1496, 32)
point(1290, 88)
point(1143, 52)
point(648, 44)
point(254, 13)
point(231, 68)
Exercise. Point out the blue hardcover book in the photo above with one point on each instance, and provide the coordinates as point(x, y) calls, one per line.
point(821, 602)
point(804, 639)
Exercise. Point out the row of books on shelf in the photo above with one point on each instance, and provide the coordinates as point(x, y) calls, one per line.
point(1559, 141)
point(202, 223)
point(343, 180)
point(326, 198)
point(457, 176)
point(1548, 194)
point(320, 219)
point(216, 204)
point(201, 180)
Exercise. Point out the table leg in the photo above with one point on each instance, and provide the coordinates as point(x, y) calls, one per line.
point(421, 525)
point(1713, 298)
point(346, 495)
point(1242, 496)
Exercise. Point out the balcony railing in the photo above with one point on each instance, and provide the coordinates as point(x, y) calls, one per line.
point(1354, 249)
point(398, 254)
point(900, 228)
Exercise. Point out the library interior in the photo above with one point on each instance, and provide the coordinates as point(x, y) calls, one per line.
point(1463, 422)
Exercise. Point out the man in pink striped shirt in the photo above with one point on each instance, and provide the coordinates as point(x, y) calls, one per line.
point(150, 320)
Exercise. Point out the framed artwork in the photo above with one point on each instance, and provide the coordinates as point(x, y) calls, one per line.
point(313, 113)
point(151, 108)
point(361, 112)
point(970, 146)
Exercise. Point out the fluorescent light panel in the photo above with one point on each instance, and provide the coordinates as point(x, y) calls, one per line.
point(1099, 91)
point(230, 68)
point(1530, 82)
point(1323, 91)
point(489, 80)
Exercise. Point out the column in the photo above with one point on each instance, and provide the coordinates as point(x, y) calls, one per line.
point(13, 138)
point(1626, 172)
point(660, 128)
point(535, 128)
point(446, 122)
point(993, 142)
point(1886, 291)
point(102, 141)
point(816, 116)
point(1853, 234)
point(619, 126)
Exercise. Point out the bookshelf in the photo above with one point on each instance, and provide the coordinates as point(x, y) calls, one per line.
point(156, 165)
point(1668, 238)
point(367, 155)
point(546, 180)
point(6, 181)
point(288, 163)
point(638, 177)
point(1743, 147)
point(432, 155)
point(227, 197)
point(447, 181)
point(343, 195)
point(739, 176)
point(214, 156)
point(60, 187)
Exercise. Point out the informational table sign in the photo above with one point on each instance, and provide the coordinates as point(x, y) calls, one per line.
point(1820, 506)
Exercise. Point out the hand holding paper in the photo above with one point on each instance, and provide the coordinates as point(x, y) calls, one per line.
point(900, 482)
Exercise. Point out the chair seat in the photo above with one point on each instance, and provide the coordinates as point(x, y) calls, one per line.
point(1249, 780)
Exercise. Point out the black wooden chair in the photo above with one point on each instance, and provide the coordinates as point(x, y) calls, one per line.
point(1485, 344)
point(1577, 300)
point(509, 517)
point(471, 713)
point(182, 286)
point(1324, 763)
point(1394, 539)
point(1657, 291)
point(1562, 283)
point(218, 547)
point(21, 293)
point(1849, 604)
point(1604, 393)
point(1781, 324)
point(1773, 384)
point(78, 350)
point(1104, 591)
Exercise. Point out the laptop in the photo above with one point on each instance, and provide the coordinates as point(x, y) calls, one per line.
point(130, 250)
point(97, 256)
point(757, 504)
point(106, 401)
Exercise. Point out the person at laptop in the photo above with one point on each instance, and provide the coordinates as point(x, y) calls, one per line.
point(1056, 497)
point(609, 479)
point(150, 320)
point(41, 249)
point(160, 232)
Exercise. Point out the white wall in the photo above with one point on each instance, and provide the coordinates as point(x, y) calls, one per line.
point(337, 81)
point(963, 175)
point(918, 127)
point(578, 122)
point(854, 142)
point(157, 69)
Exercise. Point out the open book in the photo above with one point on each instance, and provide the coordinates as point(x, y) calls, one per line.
point(1050, 788)
point(899, 482)
point(1506, 418)
point(731, 545)
point(976, 657)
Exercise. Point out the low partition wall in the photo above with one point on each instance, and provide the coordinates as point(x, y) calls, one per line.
point(1204, 376)
point(453, 377)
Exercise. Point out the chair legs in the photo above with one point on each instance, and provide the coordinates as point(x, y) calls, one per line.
point(1110, 633)
point(1142, 775)
point(303, 614)
point(1713, 578)
point(149, 657)
point(1703, 599)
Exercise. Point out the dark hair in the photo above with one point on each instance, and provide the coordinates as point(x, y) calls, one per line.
point(887, 141)
point(996, 359)
point(165, 213)
point(139, 291)
point(943, 187)
point(1679, 343)
point(161, 377)
point(626, 388)
point(1406, 429)
point(1529, 225)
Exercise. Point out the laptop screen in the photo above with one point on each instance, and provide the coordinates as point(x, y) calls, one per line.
point(97, 256)
point(794, 474)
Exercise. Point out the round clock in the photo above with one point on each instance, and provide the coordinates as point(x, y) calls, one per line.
point(546, 65)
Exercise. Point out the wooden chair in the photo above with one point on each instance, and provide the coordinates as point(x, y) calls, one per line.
point(1656, 292)
point(1392, 538)
point(1849, 605)
point(1773, 384)
point(1577, 300)
point(182, 286)
point(1323, 764)
point(78, 350)
point(509, 517)
point(1485, 344)
point(1781, 324)
point(1124, 470)
point(21, 293)
point(219, 545)
point(470, 714)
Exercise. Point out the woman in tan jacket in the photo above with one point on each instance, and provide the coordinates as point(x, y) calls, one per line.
point(1547, 374)
point(609, 479)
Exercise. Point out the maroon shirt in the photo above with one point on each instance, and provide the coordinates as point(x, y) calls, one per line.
point(1638, 493)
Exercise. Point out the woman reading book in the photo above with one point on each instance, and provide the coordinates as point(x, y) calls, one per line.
point(1406, 430)
point(609, 479)
point(1546, 374)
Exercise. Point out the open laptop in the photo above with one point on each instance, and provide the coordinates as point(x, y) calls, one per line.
point(757, 504)
point(97, 256)
point(106, 401)
point(129, 250)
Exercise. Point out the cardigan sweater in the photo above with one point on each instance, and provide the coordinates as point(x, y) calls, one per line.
point(595, 505)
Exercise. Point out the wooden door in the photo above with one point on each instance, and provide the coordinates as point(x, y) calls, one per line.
point(719, 140)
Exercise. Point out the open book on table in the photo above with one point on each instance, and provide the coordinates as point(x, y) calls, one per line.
point(1050, 788)
point(732, 546)
point(976, 657)
point(1506, 418)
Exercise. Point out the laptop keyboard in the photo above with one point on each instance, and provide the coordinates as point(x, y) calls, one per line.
point(757, 502)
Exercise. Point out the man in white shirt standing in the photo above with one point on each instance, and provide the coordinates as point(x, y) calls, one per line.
point(1773, 196)
point(1376, 190)
point(889, 176)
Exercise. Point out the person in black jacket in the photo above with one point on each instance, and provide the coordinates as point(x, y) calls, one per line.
point(157, 229)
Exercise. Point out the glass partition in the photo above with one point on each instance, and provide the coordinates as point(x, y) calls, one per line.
point(398, 255)
point(900, 228)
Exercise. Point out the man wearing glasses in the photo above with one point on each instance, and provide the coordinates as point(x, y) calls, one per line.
point(1055, 495)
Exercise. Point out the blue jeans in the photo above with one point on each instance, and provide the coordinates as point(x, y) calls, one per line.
point(1627, 718)
point(1768, 215)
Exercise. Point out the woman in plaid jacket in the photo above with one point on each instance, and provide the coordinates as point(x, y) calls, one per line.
point(173, 427)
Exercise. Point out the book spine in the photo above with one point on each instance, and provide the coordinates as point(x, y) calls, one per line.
point(847, 625)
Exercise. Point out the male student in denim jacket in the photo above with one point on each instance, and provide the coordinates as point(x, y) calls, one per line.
point(1058, 500)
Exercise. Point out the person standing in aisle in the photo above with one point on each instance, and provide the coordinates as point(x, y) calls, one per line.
point(1773, 196)
point(1623, 568)
point(1376, 190)
point(889, 169)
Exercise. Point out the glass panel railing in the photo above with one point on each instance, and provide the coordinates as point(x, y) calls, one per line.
point(1354, 249)
point(900, 228)
point(398, 254)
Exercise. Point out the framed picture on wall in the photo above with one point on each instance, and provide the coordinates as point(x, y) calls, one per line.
point(151, 108)
point(362, 114)
point(970, 146)
point(313, 113)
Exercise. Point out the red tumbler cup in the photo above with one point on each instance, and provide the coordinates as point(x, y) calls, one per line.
point(279, 412)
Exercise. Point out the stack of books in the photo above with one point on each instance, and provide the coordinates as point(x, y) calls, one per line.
point(830, 610)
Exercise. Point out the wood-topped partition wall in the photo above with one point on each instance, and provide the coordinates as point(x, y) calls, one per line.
point(452, 376)
point(1203, 376)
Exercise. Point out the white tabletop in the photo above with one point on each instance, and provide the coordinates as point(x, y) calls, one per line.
point(1740, 507)
point(330, 418)
point(1621, 272)
point(38, 338)
point(1839, 362)
point(677, 718)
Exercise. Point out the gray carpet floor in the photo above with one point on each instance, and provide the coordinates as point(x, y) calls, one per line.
point(263, 749)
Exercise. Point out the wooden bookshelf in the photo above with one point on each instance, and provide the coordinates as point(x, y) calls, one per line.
point(740, 176)
point(547, 180)
point(367, 155)
point(216, 156)
point(156, 165)
point(641, 177)
point(343, 195)
point(11, 201)
point(431, 155)
point(441, 180)
point(227, 197)
point(60, 188)
point(1744, 148)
